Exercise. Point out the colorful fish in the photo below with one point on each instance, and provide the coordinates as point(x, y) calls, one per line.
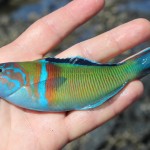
point(54, 84)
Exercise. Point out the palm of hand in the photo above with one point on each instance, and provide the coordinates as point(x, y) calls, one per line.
point(31, 129)
point(23, 129)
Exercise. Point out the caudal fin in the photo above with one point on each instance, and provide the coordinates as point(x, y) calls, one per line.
point(142, 59)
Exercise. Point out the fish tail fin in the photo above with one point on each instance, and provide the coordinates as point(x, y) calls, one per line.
point(142, 61)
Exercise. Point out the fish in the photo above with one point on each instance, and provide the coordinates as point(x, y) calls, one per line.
point(65, 84)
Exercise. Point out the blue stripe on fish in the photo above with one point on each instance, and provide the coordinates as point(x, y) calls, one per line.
point(42, 86)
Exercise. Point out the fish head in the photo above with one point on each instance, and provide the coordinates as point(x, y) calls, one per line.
point(9, 79)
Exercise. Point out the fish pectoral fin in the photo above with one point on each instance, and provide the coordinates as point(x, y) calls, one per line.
point(56, 82)
point(104, 99)
point(51, 81)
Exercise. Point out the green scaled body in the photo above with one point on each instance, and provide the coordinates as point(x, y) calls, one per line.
point(54, 84)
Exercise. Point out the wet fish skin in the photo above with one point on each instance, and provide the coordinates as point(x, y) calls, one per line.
point(54, 84)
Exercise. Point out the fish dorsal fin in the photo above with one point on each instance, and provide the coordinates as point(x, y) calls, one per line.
point(74, 60)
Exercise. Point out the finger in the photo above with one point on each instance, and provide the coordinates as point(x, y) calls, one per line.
point(47, 32)
point(110, 44)
point(80, 122)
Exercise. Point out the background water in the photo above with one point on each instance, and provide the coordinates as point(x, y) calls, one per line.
point(131, 129)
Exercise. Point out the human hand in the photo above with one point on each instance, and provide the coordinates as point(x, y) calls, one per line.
point(23, 129)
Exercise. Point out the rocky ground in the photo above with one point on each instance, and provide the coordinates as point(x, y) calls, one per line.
point(131, 129)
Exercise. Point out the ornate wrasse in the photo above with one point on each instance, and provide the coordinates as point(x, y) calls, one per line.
point(54, 84)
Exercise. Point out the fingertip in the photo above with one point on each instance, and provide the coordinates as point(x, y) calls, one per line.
point(84, 8)
point(142, 27)
point(143, 22)
point(139, 30)
point(100, 3)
